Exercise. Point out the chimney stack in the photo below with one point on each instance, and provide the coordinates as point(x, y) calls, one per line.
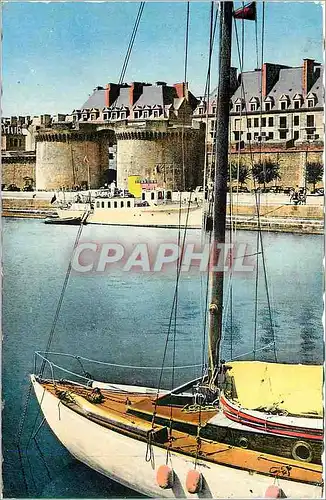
point(181, 89)
point(112, 91)
point(269, 76)
point(135, 91)
point(307, 75)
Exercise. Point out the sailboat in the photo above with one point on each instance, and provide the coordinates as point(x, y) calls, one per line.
point(235, 432)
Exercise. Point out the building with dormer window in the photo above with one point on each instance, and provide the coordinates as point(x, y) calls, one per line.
point(291, 110)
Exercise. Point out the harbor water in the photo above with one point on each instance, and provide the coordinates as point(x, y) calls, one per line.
point(122, 318)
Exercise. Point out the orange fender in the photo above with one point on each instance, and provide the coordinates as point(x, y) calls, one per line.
point(164, 477)
point(194, 481)
point(274, 492)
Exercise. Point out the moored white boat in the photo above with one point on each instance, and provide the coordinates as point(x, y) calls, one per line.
point(111, 453)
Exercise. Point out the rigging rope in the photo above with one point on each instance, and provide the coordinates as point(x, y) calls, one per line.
point(257, 201)
point(66, 280)
point(131, 43)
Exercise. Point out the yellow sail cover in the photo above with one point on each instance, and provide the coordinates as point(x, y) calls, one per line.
point(298, 389)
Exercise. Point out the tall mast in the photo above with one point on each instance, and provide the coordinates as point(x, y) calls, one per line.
point(220, 182)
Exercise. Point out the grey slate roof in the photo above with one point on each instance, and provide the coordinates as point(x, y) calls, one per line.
point(122, 99)
point(251, 85)
point(288, 83)
point(96, 100)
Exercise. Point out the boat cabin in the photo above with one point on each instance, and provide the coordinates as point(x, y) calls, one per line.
point(116, 202)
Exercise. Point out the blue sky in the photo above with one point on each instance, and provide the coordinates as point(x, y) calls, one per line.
point(54, 54)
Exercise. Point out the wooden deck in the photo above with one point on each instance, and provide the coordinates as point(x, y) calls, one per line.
point(122, 412)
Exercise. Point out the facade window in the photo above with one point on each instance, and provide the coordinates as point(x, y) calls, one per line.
point(115, 204)
point(283, 134)
point(296, 135)
point(296, 120)
point(267, 106)
point(128, 204)
point(249, 123)
point(214, 110)
point(310, 120)
point(121, 204)
point(213, 122)
point(283, 122)
point(97, 204)
point(271, 121)
point(236, 135)
point(256, 122)
point(102, 204)
point(256, 135)
point(152, 196)
point(237, 108)
point(296, 104)
point(109, 204)
point(143, 196)
point(248, 137)
point(270, 135)
point(263, 122)
point(237, 124)
point(283, 105)
point(310, 103)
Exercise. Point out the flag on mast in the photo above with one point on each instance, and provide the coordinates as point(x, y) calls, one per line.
point(247, 12)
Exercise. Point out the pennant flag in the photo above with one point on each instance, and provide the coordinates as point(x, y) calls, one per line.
point(53, 199)
point(247, 12)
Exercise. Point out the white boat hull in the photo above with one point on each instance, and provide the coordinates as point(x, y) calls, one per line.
point(122, 459)
point(148, 216)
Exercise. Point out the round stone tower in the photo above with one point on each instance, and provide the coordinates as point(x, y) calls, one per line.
point(65, 159)
point(171, 156)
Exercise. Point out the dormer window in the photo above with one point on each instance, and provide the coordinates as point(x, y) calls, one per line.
point(123, 115)
point(297, 104)
point(284, 102)
point(311, 100)
point(253, 106)
point(268, 106)
point(105, 116)
point(84, 116)
point(238, 108)
point(156, 114)
point(145, 114)
point(136, 114)
point(201, 110)
point(113, 116)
